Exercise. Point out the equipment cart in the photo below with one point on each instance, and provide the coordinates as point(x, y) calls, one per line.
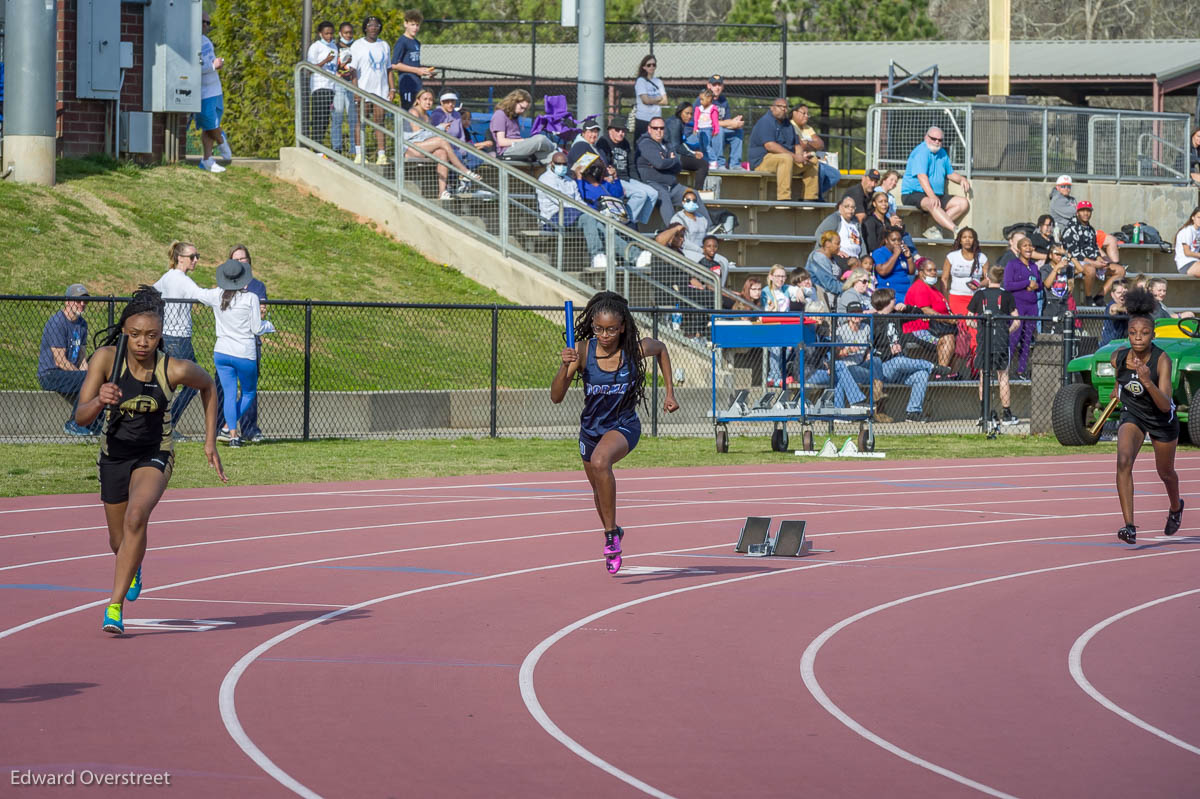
point(781, 405)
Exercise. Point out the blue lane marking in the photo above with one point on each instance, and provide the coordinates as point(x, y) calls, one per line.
point(384, 662)
point(412, 569)
point(48, 587)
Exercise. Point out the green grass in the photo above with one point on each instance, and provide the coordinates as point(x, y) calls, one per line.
point(70, 468)
point(109, 223)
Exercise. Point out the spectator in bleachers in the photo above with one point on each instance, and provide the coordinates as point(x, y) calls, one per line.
point(614, 148)
point(1157, 286)
point(1043, 238)
point(600, 189)
point(62, 358)
point(808, 298)
point(773, 148)
point(924, 184)
point(706, 125)
point(1062, 203)
point(638, 196)
point(895, 366)
point(1023, 280)
point(1116, 325)
point(1194, 157)
point(699, 294)
point(450, 117)
point(708, 256)
point(997, 301)
point(751, 295)
point(778, 297)
point(343, 98)
point(1187, 246)
point(822, 262)
point(658, 166)
point(862, 192)
point(650, 95)
point(894, 263)
point(406, 60)
point(505, 128)
point(559, 178)
point(678, 138)
point(371, 57)
point(855, 288)
point(867, 264)
point(874, 226)
point(1079, 239)
point(843, 222)
point(858, 355)
point(1057, 276)
point(695, 226)
point(322, 53)
point(924, 297)
point(808, 147)
point(887, 185)
point(963, 272)
point(420, 143)
point(731, 127)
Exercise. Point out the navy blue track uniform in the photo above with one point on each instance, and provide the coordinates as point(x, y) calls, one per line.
point(603, 394)
point(1137, 407)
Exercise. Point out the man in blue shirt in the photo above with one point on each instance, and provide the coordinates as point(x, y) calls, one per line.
point(924, 184)
point(406, 60)
point(773, 148)
point(62, 358)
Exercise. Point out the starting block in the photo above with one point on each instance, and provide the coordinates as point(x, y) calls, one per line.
point(787, 542)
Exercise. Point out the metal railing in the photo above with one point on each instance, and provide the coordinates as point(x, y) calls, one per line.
point(504, 205)
point(1040, 142)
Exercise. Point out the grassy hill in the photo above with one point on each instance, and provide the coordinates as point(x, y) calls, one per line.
point(108, 224)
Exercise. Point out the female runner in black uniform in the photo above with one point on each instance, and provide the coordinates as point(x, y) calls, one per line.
point(1144, 384)
point(608, 355)
point(136, 452)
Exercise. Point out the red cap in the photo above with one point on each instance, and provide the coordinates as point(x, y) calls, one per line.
point(1083, 204)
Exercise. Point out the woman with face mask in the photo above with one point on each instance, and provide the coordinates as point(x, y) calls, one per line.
point(695, 226)
point(925, 297)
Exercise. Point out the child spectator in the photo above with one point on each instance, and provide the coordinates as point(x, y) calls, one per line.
point(370, 56)
point(777, 298)
point(1043, 238)
point(964, 271)
point(1187, 246)
point(1116, 325)
point(1057, 278)
point(406, 60)
point(421, 143)
point(323, 54)
point(506, 130)
point(1157, 286)
point(1003, 308)
point(343, 99)
point(706, 125)
point(895, 367)
point(808, 298)
point(709, 257)
point(731, 127)
point(750, 295)
point(875, 224)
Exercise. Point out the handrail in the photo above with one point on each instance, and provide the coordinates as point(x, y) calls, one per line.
point(507, 173)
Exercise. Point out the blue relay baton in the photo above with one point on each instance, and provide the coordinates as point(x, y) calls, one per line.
point(569, 308)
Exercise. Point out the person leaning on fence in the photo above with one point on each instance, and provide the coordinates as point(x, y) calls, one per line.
point(406, 60)
point(997, 301)
point(322, 54)
point(773, 148)
point(62, 357)
point(1057, 287)
point(174, 284)
point(343, 98)
point(1023, 280)
point(1116, 321)
point(420, 143)
point(506, 129)
point(650, 96)
point(1187, 245)
point(372, 56)
point(925, 297)
point(894, 365)
point(248, 423)
point(924, 184)
point(1079, 239)
point(659, 167)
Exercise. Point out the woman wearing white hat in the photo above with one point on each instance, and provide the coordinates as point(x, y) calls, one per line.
point(238, 321)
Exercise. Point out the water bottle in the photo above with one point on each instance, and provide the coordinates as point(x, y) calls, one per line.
point(1137, 233)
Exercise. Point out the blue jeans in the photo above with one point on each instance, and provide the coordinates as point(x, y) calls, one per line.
point(700, 140)
point(827, 178)
point(232, 373)
point(912, 372)
point(641, 200)
point(343, 106)
point(846, 392)
point(716, 152)
point(66, 383)
point(180, 347)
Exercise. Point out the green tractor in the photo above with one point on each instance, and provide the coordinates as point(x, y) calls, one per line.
point(1079, 403)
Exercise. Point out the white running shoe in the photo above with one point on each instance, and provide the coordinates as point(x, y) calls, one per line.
point(643, 259)
point(600, 262)
point(223, 148)
point(210, 165)
point(934, 232)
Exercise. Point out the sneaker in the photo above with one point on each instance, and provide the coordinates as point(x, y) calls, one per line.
point(446, 195)
point(234, 441)
point(916, 416)
point(1128, 534)
point(257, 438)
point(934, 233)
point(135, 588)
point(612, 550)
point(73, 429)
point(475, 176)
point(381, 159)
point(358, 159)
point(600, 262)
point(745, 166)
point(223, 435)
point(643, 260)
point(1174, 519)
point(464, 186)
point(712, 164)
point(1008, 418)
point(223, 148)
point(112, 620)
point(211, 165)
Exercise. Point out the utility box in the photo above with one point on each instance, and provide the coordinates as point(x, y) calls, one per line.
point(137, 132)
point(98, 43)
point(171, 72)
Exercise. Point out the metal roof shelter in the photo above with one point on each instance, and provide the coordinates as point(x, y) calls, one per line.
point(1068, 69)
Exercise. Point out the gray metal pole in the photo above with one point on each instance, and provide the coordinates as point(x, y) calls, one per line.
point(590, 89)
point(306, 29)
point(29, 96)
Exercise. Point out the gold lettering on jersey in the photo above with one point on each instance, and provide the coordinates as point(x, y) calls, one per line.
point(138, 404)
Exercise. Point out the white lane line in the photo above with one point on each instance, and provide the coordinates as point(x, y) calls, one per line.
point(799, 471)
point(808, 660)
point(245, 602)
point(1075, 665)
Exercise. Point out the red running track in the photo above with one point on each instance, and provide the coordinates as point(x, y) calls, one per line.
point(976, 628)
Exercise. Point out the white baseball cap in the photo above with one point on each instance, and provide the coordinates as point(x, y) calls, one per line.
point(1063, 180)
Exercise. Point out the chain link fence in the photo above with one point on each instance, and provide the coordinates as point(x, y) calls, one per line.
point(380, 370)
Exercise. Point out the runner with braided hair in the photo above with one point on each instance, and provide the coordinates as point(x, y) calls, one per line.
point(1144, 386)
point(136, 450)
point(608, 356)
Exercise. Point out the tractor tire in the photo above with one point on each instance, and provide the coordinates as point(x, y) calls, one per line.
point(1073, 413)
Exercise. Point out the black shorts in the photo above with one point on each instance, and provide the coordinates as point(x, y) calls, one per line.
point(914, 198)
point(999, 357)
point(1156, 430)
point(115, 473)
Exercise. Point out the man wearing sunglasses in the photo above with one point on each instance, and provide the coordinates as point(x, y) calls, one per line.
point(924, 184)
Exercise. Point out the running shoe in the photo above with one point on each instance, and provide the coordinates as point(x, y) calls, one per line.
point(135, 588)
point(1128, 534)
point(612, 550)
point(223, 435)
point(1174, 519)
point(112, 620)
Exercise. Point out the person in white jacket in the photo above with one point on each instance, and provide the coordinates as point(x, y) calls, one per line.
point(177, 316)
point(238, 321)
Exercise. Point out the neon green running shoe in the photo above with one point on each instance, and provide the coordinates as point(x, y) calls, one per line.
point(135, 588)
point(112, 620)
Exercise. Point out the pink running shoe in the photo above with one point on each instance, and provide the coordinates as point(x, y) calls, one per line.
point(612, 550)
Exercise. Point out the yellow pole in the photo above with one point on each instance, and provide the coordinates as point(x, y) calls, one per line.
point(999, 17)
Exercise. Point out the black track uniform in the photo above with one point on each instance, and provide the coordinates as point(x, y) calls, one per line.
point(138, 433)
point(1137, 407)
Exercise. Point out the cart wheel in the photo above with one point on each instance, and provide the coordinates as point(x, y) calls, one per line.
point(866, 441)
point(722, 441)
point(806, 440)
point(779, 439)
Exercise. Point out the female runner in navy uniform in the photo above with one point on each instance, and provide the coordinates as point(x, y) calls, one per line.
point(608, 354)
point(1144, 382)
point(136, 452)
